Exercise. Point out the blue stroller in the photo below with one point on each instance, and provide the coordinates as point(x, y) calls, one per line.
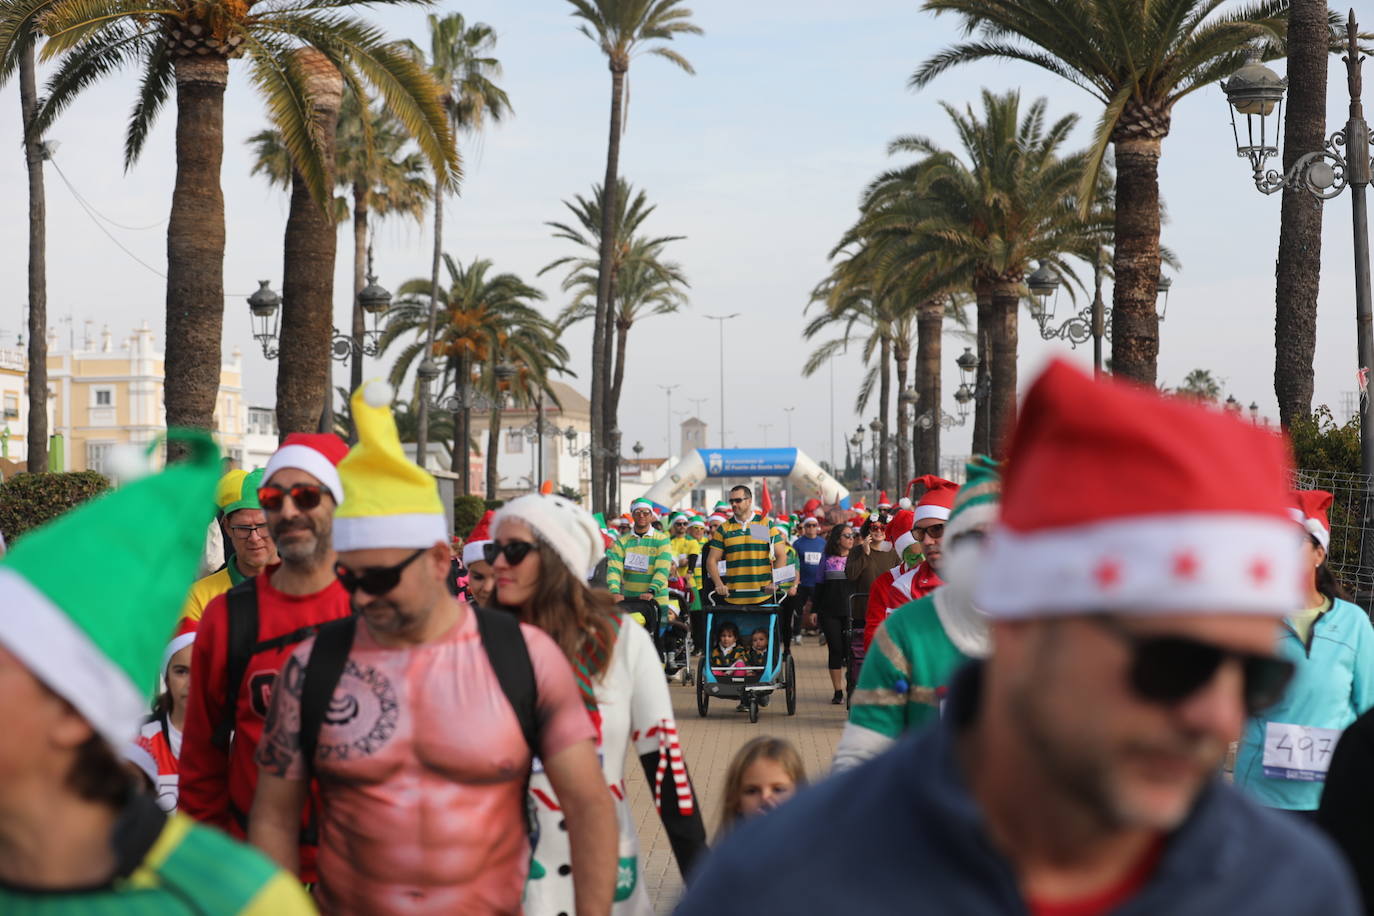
point(750, 685)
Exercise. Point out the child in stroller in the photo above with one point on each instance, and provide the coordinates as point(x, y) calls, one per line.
point(727, 654)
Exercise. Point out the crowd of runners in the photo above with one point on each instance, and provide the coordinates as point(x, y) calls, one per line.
point(1112, 673)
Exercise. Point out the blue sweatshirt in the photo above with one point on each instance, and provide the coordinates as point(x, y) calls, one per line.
point(901, 834)
point(809, 547)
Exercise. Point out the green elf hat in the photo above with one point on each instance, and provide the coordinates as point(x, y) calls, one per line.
point(722, 507)
point(978, 499)
point(238, 490)
point(96, 647)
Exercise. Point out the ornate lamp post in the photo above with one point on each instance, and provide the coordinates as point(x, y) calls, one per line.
point(906, 407)
point(857, 440)
point(876, 426)
point(1256, 94)
point(1093, 321)
point(265, 304)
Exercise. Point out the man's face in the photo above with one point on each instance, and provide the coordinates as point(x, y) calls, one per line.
point(1128, 761)
point(41, 731)
point(679, 528)
point(810, 529)
point(303, 536)
point(929, 532)
point(481, 583)
point(697, 531)
point(643, 518)
point(251, 536)
point(406, 607)
point(741, 504)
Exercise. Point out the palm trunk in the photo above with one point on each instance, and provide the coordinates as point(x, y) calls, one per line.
point(1135, 324)
point(901, 355)
point(622, 334)
point(884, 406)
point(1298, 274)
point(601, 321)
point(307, 313)
point(422, 430)
point(361, 193)
point(460, 462)
point(37, 438)
point(1006, 301)
point(982, 295)
point(930, 319)
point(195, 246)
point(493, 440)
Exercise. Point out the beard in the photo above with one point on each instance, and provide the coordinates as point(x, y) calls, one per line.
point(301, 552)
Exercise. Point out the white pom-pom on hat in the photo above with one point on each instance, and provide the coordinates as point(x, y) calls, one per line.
point(904, 502)
point(378, 393)
point(128, 462)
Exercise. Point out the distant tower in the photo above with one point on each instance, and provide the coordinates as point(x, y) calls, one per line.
point(693, 435)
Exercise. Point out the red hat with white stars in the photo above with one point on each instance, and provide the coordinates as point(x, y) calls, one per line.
point(1313, 512)
point(1166, 507)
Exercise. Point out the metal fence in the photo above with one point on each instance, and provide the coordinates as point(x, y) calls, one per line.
point(1348, 535)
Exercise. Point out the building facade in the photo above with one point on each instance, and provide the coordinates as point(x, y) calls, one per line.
point(564, 446)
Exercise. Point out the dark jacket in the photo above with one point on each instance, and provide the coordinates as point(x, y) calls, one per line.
point(915, 842)
point(1347, 805)
point(863, 568)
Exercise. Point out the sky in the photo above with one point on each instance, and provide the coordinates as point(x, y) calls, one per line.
point(758, 160)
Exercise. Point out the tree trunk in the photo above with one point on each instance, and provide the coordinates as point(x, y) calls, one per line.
point(1298, 273)
point(1135, 323)
point(422, 429)
point(37, 436)
point(622, 334)
point(601, 322)
point(884, 406)
point(982, 296)
point(901, 355)
point(930, 319)
point(460, 459)
point(1006, 301)
point(307, 310)
point(493, 442)
point(195, 247)
point(361, 193)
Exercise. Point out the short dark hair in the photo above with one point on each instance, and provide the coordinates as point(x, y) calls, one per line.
point(748, 493)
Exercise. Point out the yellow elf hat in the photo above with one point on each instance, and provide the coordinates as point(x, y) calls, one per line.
point(389, 501)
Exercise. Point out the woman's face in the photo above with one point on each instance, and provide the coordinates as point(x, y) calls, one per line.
point(846, 539)
point(1313, 554)
point(179, 677)
point(764, 785)
point(515, 585)
point(481, 582)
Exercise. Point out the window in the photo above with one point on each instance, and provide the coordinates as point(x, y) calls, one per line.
point(97, 455)
point(104, 397)
point(11, 405)
point(515, 442)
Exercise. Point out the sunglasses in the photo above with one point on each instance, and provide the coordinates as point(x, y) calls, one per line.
point(1169, 669)
point(514, 551)
point(379, 580)
point(846, 534)
point(736, 500)
point(306, 496)
point(933, 531)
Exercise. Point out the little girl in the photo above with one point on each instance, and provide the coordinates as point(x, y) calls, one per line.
point(728, 653)
point(765, 773)
point(161, 733)
point(758, 651)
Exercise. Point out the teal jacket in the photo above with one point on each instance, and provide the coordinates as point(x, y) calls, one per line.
point(1333, 685)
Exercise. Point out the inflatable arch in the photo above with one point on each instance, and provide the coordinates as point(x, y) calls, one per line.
point(806, 475)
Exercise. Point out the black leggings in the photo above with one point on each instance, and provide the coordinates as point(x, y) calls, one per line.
point(836, 634)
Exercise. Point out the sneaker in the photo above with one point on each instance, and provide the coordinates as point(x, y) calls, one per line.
point(837, 699)
point(742, 707)
point(796, 640)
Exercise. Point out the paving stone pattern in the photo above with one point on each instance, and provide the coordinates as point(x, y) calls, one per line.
point(710, 743)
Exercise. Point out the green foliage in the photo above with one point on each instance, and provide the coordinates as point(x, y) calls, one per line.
point(467, 512)
point(1201, 384)
point(1319, 444)
point(30, 500)
point(493, 504)
point(571, 493)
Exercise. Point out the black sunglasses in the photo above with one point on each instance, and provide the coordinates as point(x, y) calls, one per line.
point(514, 551)
point(306, 496)
point(934, 531)
point(1169, 669)
point(736, 500)
point(375, 581)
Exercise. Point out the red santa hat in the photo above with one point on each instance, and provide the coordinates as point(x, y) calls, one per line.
point(318, 454)
point(811, 506)
point(1170, 507)
point(883, 501)
point(481, 534)
point(899, 530)
point(1313, 512)
point(938, 500)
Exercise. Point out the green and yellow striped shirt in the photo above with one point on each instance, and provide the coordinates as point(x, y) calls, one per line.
point(748, 555)
point(637, 564)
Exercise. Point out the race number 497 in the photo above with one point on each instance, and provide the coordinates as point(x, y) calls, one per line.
point(1298, 752)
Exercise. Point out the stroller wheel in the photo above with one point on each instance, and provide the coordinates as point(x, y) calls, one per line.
point(753, 709)
point(702, 698)
point(791, 687)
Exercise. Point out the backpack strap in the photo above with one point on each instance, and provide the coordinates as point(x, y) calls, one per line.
point(328, 657)
point(242, 601)
point(510, 660)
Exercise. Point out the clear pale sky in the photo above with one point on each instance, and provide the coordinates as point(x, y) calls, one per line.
point(759, 160)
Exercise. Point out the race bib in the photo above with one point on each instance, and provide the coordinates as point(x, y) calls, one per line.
point(1298, 752)
point(784, 573)
point(720, 567)
point(758, 532)
point(811, 557)
point(637, 562)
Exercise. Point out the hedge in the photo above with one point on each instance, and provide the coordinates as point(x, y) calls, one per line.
point(30, 500)
point(467, 512)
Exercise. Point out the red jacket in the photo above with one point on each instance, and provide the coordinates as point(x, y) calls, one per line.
point(217, 788)
point(890, 591)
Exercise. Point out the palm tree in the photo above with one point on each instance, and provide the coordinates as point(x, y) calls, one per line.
point(460, 62)
point(1202, 385)
point(1138, 59)
point(37, 437)
point(529, 354)
point(621, 29)
point(187, 46)
point(475, 315)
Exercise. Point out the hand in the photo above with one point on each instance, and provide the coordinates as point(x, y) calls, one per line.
point(618, 598)
point(647, 596)
point(792, 592)
point(723, 591)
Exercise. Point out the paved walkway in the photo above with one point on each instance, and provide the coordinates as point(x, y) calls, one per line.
point(710, 743)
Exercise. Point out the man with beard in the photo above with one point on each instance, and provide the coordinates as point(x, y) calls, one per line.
point(247, 633)
point(420, 739)
point(1133, 614)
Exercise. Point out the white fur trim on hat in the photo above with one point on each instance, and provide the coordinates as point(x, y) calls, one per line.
point(1315, 528)
point(176, 645)
point(1201, 562)
point(562, 524)
point(305, 458)
point(369, 532)
point(67, 661)
point(928, 511)
point(472, 552)
point(902, 543)
point(970, 517)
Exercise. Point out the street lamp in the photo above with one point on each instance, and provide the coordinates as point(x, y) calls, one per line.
point(264, 304)
point(721, 319)
point(1254, 413)
point(857, 440)
point(877, 427)
point(668, 420)
point(1092, 321)
point(906, 407)
point(1256, 93)
point(1232, 406)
